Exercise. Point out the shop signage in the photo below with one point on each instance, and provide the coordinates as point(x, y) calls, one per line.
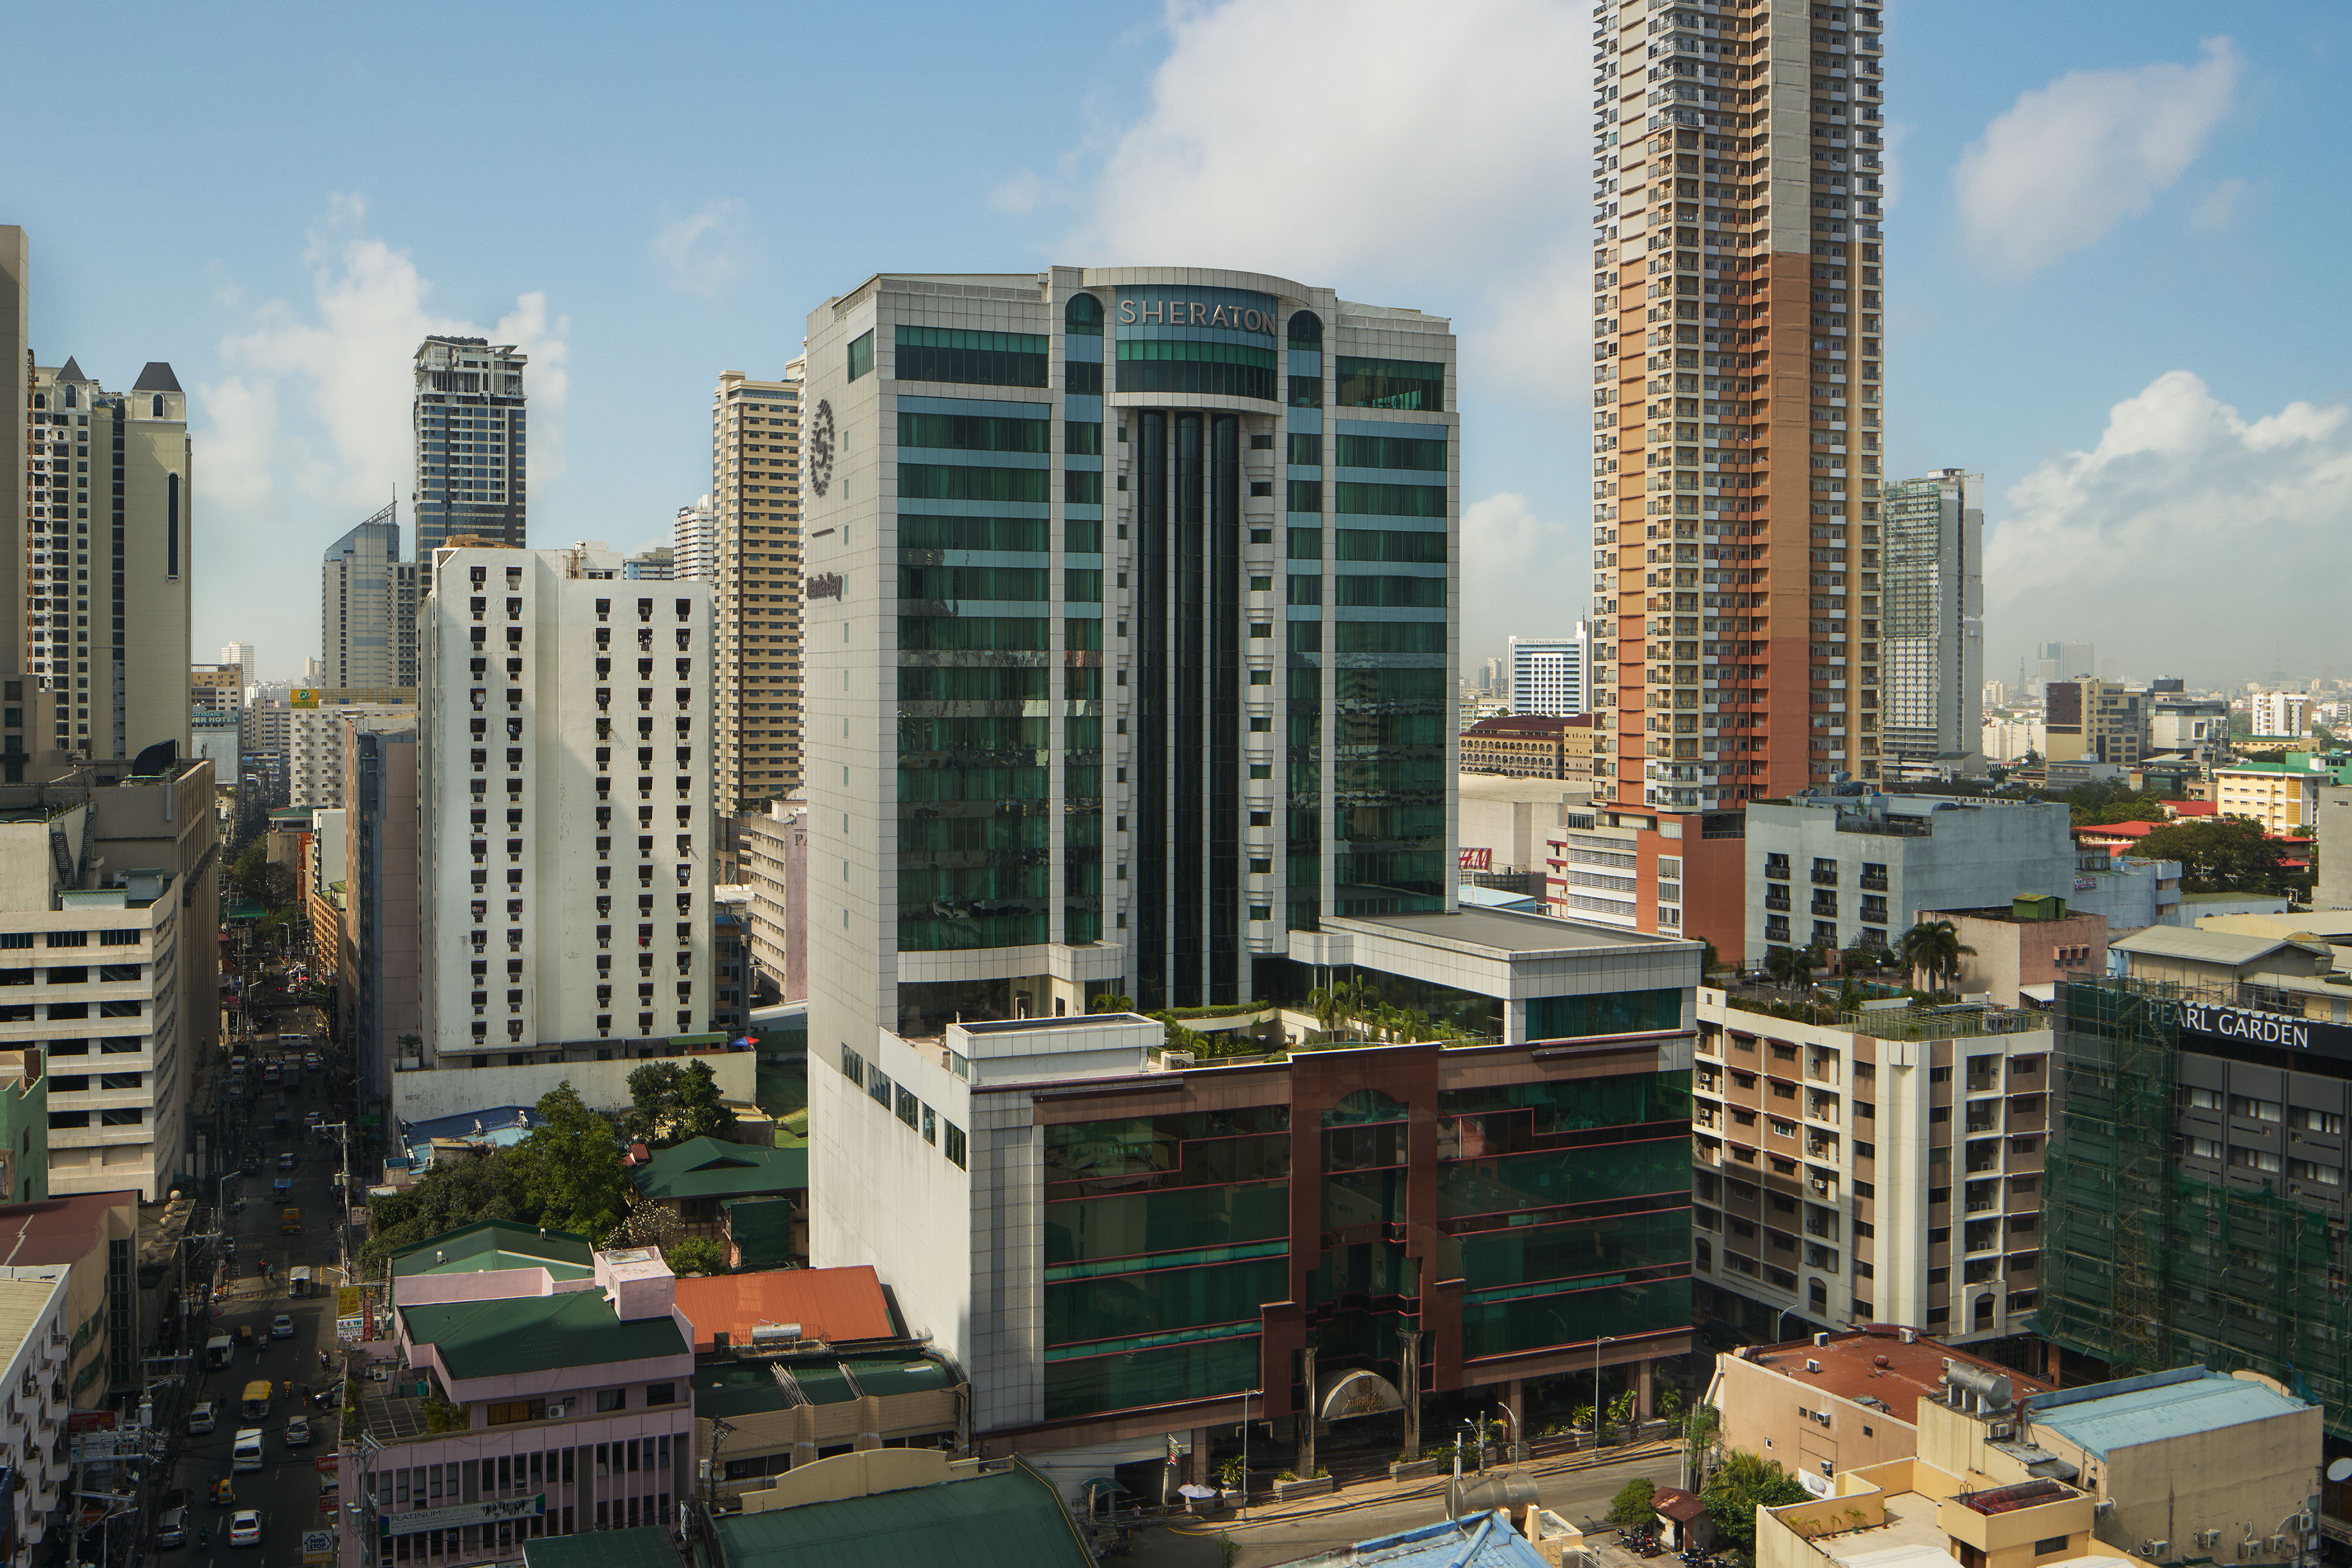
point(2283, 1030)
point(1194, 313)
point(457, 1516)
point(1361, 1394)
point(824, 585)
point(1477, 860)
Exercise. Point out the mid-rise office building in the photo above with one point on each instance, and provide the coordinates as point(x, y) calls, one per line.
point(1841, 870)
point(2284, 713)
point(316, 723)
point(656, 565)
point(1529, 748)
point(755, 501)
point(565, 823)
point(2097, 721)
point(1738, 289)
point(1552, 675)
point(1884, 1168)
point(694, 541)
point(2281, 794)
point(1931, 699)
point(114, 661)
point(367, 609)
point(470, 441)
point(2196, 727)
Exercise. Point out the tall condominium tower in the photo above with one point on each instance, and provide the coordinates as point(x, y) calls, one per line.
point(241, 655)
point(694, 541)
point(45, 466)
point(115, 660)
point(367, 615)
point(1933, 590)
point(1552, 675)
point(470, 472)
point(1736, 429)
point(755, 496)
point(563, 804)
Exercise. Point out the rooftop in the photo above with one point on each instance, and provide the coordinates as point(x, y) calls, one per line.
point(710, 1167)
point(2211, 947)
point(1851, 1369)
point(760, 1226)
point(497, 1244)
point(1476, 1540)
point(728, 1389)
point(59, 1229)
point(838, 1306)
point(1529, 723)
point(1009, 1518)
point(646, 1547)
point(1497, 931)
point(539, 1333)
point(2135, 1410)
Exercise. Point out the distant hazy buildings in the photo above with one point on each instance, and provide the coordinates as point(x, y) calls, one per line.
point(2064, 662)
point(1552, 675)
point(367, 608)
point(1932, 600)
point(656, 565)
point(470, 443)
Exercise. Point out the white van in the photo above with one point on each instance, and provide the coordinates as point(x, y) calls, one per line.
point(246, 1455)
point(204, 1417)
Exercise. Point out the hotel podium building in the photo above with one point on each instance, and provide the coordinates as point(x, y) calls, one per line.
point(1128, 622)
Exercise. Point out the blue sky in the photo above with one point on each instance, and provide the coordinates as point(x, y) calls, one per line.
point(2110, 261)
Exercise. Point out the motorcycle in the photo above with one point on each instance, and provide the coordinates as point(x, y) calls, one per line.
point(204, 1539)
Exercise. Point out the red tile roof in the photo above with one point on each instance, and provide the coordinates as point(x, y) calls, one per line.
point(2117, 831)
point(1677, 1504)
point(836, 1305)
point(2190, 808)
point(1849, 1368)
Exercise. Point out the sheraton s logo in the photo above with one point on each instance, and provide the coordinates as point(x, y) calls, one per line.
point(2240, 1023)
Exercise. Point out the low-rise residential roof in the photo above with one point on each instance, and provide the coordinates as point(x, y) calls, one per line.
point(837, 1306)
point(58, 1229)
point(710, 1167)
point(762, 1228)
point(1011, 1519)
point(2209, 947)
point(727, 1389)
point(1673, 1502)
point(2164, 1405)
point(644, 1547)
point(1850, 1368)
point(537, 1334)
point(497, 1244)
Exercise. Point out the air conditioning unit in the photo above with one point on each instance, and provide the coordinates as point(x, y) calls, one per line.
point(2155, 1549)
point(2003, 1432)
point(1822, 1416)
point(1812, 1366)
point(559, 1409)
point(2281, 1545)
point(2208, 1538)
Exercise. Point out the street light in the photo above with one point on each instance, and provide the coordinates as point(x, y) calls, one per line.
point(1604, 1339)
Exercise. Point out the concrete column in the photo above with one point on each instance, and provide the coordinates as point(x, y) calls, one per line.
point(1306, 1418)
point(1645, 1389)
point(1411, 1391)
point(1200, 1462)
point(1514, 1401)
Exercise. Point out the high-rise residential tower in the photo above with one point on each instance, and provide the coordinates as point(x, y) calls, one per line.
point(564, 828)
point(1931, 704)
point(1737, 427)
point(755, 497)
point(468, 417)
point(367, 615)
point(694, 541)
point(110, 561)
point(35, 467)
point(241, 655)
point(1551, 676)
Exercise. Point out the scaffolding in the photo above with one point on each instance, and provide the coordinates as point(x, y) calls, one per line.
point(2147, 1268)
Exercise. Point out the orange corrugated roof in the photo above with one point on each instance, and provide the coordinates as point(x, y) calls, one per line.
point(836, 1305)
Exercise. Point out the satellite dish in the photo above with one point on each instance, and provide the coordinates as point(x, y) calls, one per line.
point(2341, 1470)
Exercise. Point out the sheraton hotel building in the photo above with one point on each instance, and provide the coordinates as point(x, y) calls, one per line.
point(1130, 621)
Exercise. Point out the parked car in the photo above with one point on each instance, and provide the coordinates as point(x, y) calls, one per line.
point(245, 1527)
point(298, 1432)
point(204, 1417)
point(281, 1327)
point(172, 1530)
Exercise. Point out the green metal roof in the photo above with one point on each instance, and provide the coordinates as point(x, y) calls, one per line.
point(729, 1389)
point(1008, 1520)
point(539, 1333)
point(896, 1374)
point(641, 1548)
point(497, 1244)
point(710, 1167)
point(762, 1229)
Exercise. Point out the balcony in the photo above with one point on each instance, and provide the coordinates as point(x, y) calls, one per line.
point(1825, 876)
point(1873, 881)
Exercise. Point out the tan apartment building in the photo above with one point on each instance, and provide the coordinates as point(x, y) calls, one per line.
point(2095, 721)
point(774, 849)
point(1883, 1169)
point(1907, 1514)
point(2022, 951)
point(1838, 1401)
point(1529, 746)
point(1738, 426)
point(2282, 796)
point(755, 498)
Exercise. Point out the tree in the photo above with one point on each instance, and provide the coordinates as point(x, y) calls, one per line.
point(669, 1104)
point(1105, 1002)
point(2221, 854)
point(569, 1169)
point(1630, 1509)
point(1792, 966)
point(1740, 1483)
point(695, 1255)
point(452, 1193)
point(1934, 949)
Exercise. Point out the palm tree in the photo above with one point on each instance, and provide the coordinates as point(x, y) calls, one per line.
point(1792, 966)
point(1934, 949)
point(1742, 1472)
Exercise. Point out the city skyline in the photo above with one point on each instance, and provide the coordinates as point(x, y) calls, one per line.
point(292, 328)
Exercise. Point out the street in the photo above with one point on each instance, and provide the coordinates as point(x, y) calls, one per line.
point(1576, 1496)
point(286, 1490)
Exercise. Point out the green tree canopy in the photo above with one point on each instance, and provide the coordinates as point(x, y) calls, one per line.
point(669, 1104)
point(1933, 949)
point(2221, 854)
point(1740, 1483)
point(452, 1193)
point(695, 1255)
point(569, 1169)
point(1631, 1506)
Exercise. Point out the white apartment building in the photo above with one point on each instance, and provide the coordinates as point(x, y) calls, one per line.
point(314, 747)
point(694, 541)
point(1887, 1173)
point(1931, 704)
point(2281, 713)
point(37, 1342)
point(1551, 676)
point(565, 833)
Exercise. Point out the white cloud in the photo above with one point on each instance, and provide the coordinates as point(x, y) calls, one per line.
point(2229, 204)
point(306, 429)
point(1520, 570)
point(2188, 535)
point(708, 249)
point(1025, 191)
point(1418, 147)
point(2070, 160)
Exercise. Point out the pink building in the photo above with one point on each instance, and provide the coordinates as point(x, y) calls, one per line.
point(573, 1370)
